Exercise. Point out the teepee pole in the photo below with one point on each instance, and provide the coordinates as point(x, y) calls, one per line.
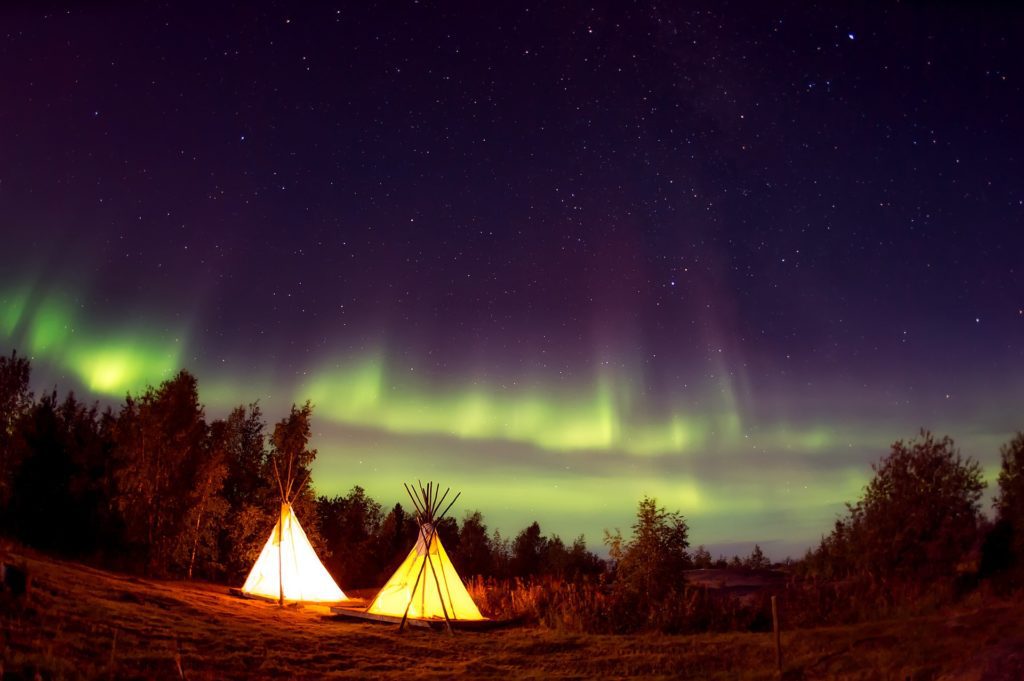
point(415, 503)
point(277, 475)
point(291, 480)
point(443, 497)
point(437, 583)
point(298, 490)
point(408, 605)
point(280, 560)
point(441, 517)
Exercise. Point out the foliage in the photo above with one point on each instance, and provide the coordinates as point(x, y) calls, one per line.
point(649, 565)
point(160, 441)
point(394, 540)
point(1003, 551)
point(206, 504)
point(15, 402)
point(349, 525)
point(246, 457)
point(57, 501)
point(251, 498)
point(757, 560)
point(527, 551)
point(289, 463)
point(917, 520)
point(475, 553)
point(15, 396)
point(501, 554)
point(1010, 500)
point(571, 562)
point(1010, 503)
point(702, 558)
point(244, 537)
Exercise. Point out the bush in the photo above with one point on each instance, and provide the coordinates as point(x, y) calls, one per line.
point(916, 523)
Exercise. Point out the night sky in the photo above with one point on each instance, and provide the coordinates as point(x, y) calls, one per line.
point(555, 256)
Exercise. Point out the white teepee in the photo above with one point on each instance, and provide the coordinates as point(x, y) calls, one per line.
point(288, 568)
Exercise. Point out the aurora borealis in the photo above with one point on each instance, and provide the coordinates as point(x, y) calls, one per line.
point(555, 257)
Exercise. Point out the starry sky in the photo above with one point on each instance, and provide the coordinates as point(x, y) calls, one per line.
point(558, 256)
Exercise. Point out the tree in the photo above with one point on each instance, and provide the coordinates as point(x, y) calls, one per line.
point(569, 562)
point(348, 525)
point(702, 558)
point(918, 516)
point(246, 450)
point(160, 438)
point(554, 558)
point(583, 562)
point(757, 560)
point(649, 564)
point(1010, 500)
point(291, 458)
point(250, 494)
point(501, 555)
point(15, 401)
point(527, 551)
point(207, 505)
point(44, 512)
point(397, 535)
point(15, 396)
point(474, 555)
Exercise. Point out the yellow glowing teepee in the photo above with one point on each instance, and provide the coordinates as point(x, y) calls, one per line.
point(288, 568)
point(426, 586)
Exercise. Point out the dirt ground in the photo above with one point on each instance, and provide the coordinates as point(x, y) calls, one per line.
point(81, 622)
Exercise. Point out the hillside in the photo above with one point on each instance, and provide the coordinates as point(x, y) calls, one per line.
point(80, 622)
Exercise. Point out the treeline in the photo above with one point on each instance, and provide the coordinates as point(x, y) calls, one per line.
point(916, 540)
point(155, 488)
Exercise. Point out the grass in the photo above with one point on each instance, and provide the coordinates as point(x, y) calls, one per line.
point(80, 622)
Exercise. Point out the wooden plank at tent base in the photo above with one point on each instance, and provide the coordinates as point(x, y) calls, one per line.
point(436, 623)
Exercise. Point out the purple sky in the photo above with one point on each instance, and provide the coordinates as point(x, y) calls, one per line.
point(557, 257)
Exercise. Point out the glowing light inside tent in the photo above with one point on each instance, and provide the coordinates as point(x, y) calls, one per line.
point(425, 581)
point(303, 576)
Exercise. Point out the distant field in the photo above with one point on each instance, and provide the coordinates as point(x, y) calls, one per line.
point(87, 623)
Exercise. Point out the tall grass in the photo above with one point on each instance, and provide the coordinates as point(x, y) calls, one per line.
point(601, 606)
point(597, 606)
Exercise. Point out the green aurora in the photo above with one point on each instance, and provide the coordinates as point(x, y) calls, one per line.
point(576, 459)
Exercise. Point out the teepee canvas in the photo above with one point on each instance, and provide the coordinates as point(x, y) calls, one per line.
point(288, 568)
point(426, 586)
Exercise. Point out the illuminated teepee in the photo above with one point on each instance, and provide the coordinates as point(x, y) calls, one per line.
point(288, 568)
point(426, 586)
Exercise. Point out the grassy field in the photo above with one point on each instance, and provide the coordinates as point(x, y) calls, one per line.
point(80, 622)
